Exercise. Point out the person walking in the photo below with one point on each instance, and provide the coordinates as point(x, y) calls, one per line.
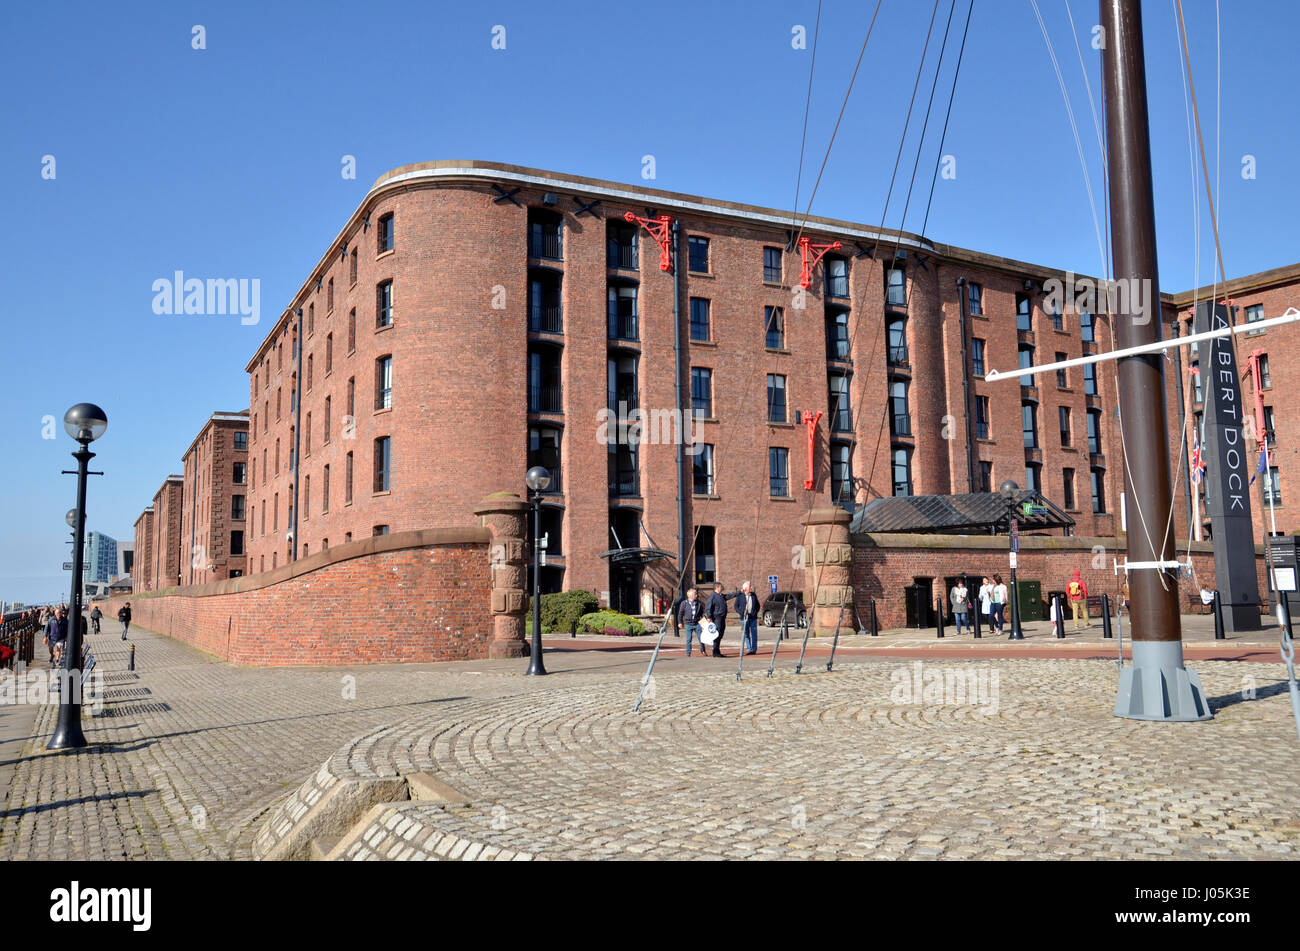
point(999, 603)
point(691, 612)
point(715, 609)
point(124, 615)
point(95, 615)
point(747, 607)
point(1077, 592)
point(56, 633)
point(959, 596)
point(986, 601)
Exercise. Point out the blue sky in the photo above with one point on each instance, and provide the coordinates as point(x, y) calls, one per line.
point(225, 162)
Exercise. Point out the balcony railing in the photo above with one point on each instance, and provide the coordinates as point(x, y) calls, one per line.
point(837, 285)
point(624, 479)
point(622, 327)
point(543, 399)
point(900, 424)
point(621, 255)
point(545, 244)
point(896, 297)
point(841, 421)
point(545, 318)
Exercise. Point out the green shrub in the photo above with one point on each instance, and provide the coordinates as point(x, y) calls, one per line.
point(561, 609)
point(598, 621)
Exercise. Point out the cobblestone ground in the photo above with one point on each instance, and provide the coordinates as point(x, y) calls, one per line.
point(190, 753)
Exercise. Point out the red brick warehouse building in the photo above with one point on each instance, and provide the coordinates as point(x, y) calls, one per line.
point(472, 319)
point(213, 509)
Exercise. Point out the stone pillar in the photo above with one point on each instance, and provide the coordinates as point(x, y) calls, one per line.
point(827, 563)
point(505, 515)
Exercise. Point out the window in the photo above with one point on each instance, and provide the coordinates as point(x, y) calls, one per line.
point(237, 507)
point(1265, 378)
point(622, 312)
point(837, 275)
point(352, 400)
point(263, 525)
point(774, 328)
point(620, 378)
point(240, 474)
point(385, 233)
point(307, 436)
point(544, 450)
point(1024, 313)
point(900, 420)
point(841, 419)
point(984, 478)
point(325, 490)
point(236, 546)
point(896, 287)
point(1098, 491)
point(698, 254)
point(1029, 424)
point(1061, 380)
point(841, 474)
point(778, 473)
point(699, 319)
point(384, 382)
point(279, 391)
point(379, 530)
point(702, 392)
point(1090, 379)
point(1273, 487)
point(347, 479)
point(1253, 313)
point(620, 245)
point(275, 513)
point(896, 333)
point(310, 363)
point(545, 314)
point(545, 234)
point(837, 335)
point(306, 497)
point(325, 437)
point(1054, 311)
point(277, 457)
point(241, 442)
point(1026, 357)
point(706, 562)
point(902, 471)
point(352, 330)
point(384, 304)
point(263, 465)
point(352, 267)
point(1094, 432)
point(329, 352)
point(1034, 477)
point(1085, 327)
point(1270, 430)
point(776, 408)
point(544, 395)
point(1063, 415)
point(772, 265)
point(981, 417)
point(974, 299)
point(977, 356)
point(704, 470)
point(1067, 488)
point(329, 296)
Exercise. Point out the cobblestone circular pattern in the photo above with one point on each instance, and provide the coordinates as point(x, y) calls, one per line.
point(830, 765)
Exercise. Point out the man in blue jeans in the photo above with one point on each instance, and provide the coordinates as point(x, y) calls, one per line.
point(747, 608)
point(691, 612)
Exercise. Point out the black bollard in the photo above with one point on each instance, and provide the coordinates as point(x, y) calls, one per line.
point(938, 617)
point(1218, 617)
point(875, 621)
point(1106, 632)
point(1060, 618)
point(130, 659)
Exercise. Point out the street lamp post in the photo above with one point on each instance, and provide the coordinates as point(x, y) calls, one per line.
point(85, 423)
point(538, 479)
point(1009, 491)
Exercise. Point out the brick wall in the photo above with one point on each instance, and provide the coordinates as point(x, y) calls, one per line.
point(884, 564)
point(142, 578)
point(411, 597)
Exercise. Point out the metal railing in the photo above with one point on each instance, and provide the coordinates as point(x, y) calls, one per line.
point(18, 634)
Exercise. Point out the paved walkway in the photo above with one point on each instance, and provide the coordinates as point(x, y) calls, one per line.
point(189, 753)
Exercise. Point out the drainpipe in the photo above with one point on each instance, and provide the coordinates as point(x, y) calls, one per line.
point(966, 388)
point(297, 437)
point(194, 502)
point(683, 521)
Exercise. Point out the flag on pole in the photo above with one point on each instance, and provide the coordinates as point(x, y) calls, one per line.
point(1262, 467)
point(1198, 465)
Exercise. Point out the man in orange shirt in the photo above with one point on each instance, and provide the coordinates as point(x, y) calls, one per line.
point(1077, 592)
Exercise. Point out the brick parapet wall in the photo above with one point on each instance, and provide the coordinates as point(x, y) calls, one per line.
point(411, 597)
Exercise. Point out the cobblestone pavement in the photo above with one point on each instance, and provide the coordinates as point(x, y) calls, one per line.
point(190, 753)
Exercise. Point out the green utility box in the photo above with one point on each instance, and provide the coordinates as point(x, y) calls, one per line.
point(1030, 597)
